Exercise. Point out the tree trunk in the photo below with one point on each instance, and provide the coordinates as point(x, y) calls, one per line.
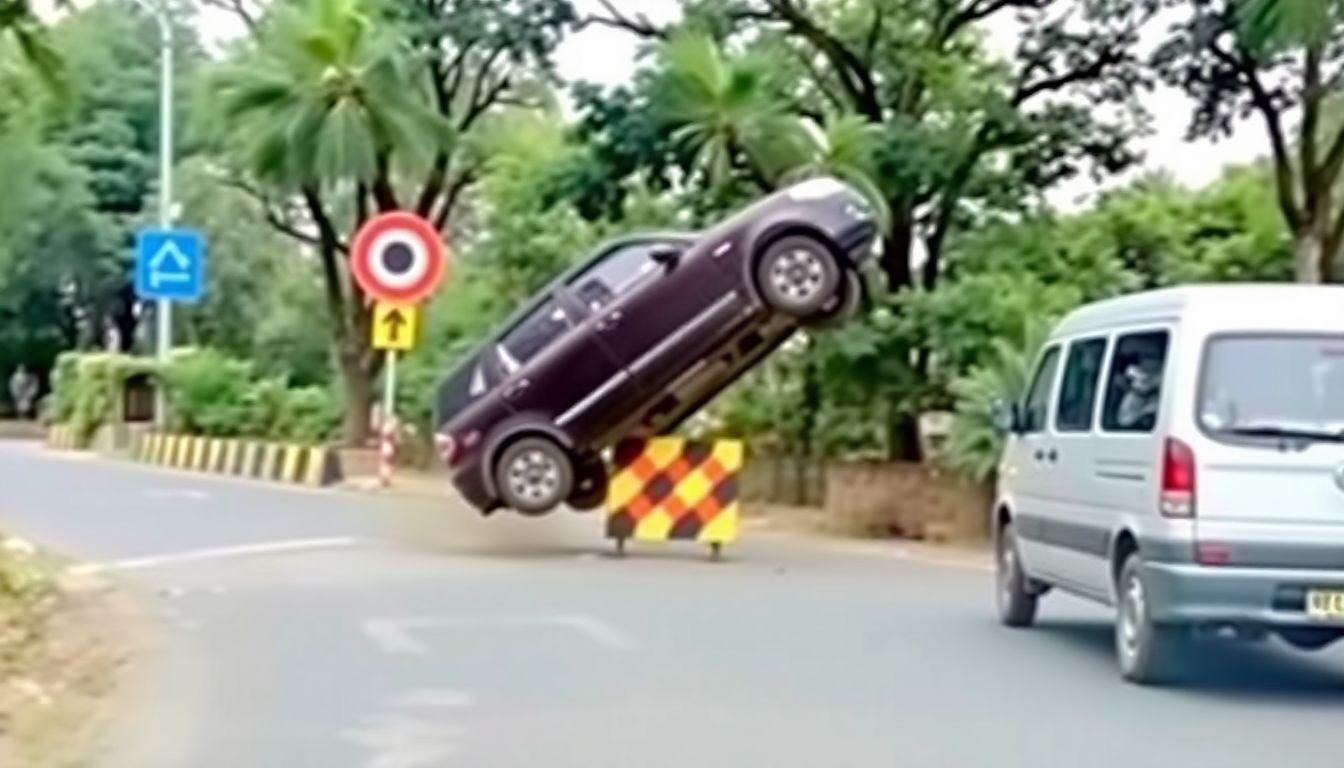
point(359, 395)
point(1308, 256)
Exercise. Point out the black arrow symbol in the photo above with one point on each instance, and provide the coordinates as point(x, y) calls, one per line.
point(394, 321)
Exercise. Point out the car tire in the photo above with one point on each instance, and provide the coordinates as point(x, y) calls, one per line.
point(590, 485)
point(1143, 648)
point(534, 476)
point(845, 305)
point(1016, 601)
point(1309, 638)
point(798, 275)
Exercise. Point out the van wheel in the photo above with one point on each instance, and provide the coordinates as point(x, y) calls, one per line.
point(1144, 649)
point(534, 476)
point(1309, 638)
point(797, 275)
point(590, 487)
point(1016, 601)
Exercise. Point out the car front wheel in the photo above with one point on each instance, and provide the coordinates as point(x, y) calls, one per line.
point(798, 275)
point(1016, 602)
point(534, 475)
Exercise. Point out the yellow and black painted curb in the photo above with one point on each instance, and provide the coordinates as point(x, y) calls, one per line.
point(63, 437)
point(311, 465)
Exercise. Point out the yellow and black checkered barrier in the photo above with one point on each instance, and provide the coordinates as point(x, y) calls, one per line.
point(63, 437)
point(281, 462)
point(669, 488)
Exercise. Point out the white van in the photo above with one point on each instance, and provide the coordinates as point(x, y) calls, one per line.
point(1179, 454)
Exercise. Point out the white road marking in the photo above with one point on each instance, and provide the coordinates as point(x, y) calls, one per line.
point(398, 636)
point(216, 553)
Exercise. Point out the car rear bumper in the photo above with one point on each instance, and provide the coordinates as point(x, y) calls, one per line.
point(1187, 593)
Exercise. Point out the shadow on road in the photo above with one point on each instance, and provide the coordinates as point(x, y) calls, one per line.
point(450, 528)
point(1223, 668)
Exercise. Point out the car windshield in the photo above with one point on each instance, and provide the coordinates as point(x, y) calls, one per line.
point(1274, 386)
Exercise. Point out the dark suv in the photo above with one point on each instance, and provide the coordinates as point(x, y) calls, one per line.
point(639, 337)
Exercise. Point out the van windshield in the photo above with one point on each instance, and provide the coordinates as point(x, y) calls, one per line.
point(1274, 386)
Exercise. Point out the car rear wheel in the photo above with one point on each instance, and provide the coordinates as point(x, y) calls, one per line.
point(590, 487)
point(534, 475)
point(1143, 648)
point(1309, 638)
point(797, 275)
point(1016, 601)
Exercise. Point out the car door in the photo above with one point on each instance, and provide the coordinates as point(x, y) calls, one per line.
point(556, 370)
point(658, 316)
point(1080, 521)
point(1024, 470)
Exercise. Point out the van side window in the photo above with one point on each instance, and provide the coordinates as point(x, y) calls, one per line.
point(545, 324)
point(1134, 390)
point(1037, 405)
point(1078, 388)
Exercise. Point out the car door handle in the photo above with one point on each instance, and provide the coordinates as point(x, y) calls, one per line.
point(609, 320)
point(517, 388)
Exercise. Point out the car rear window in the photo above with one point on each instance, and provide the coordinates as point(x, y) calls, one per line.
point(1273, 381)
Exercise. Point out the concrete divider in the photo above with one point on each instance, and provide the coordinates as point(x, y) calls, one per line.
point(311, 465)
point(63, 437)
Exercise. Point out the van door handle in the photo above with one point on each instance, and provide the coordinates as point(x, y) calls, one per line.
point(1043, 456)
point(517, 389)
point(609, 320)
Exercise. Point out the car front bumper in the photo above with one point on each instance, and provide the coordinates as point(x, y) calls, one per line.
point(1187, 593)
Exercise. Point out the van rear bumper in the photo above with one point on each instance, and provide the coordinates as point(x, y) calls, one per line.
point(1186, 593)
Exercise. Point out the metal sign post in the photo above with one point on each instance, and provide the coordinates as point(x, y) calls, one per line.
point(387, 451)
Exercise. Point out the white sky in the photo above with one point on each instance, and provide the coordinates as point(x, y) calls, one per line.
point(605, 55)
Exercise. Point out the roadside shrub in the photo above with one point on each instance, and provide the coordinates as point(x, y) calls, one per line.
point(208, 392)
point(88, 389)
point(308, 415)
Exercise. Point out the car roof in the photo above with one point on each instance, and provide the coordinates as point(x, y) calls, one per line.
point(1218, 305)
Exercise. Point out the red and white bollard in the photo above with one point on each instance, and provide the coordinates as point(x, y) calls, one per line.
point(387, 452)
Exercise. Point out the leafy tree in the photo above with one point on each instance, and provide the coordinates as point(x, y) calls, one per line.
point(20, 24)
point(1282, 60)
point(342, 108)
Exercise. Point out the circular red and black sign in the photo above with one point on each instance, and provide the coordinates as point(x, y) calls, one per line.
point(398, 257)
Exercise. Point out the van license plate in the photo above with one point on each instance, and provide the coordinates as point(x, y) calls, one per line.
point(1326, 606)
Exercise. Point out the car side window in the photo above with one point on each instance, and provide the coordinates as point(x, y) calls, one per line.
point(1037, 404)
point(617, 272)
point(1134, 385)
point(534, 333)
point(1078, 388)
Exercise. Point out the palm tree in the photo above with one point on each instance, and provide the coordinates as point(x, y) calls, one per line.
point(323, 100)
point(725, 110)
point(20, 24)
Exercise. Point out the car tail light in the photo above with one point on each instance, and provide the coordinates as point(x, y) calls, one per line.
point(1178, 479)
point(1212, 554)
point(447, 447)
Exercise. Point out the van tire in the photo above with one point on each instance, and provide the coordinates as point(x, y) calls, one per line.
point(534, 476)
point(1143, 648)
point(798, 276)
point(1016, 601)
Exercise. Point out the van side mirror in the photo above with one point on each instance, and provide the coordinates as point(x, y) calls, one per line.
point(1007, 417)
point(665, 254)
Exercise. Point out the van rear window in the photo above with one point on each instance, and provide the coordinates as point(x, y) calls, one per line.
point(1268, 384)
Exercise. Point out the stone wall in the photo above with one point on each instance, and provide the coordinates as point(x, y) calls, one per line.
point(912, 501)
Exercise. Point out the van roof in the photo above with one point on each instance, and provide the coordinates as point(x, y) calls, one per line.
point(1225, 303)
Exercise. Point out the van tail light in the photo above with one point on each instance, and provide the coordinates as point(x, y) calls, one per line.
point(1178, 479)
point(447, 447)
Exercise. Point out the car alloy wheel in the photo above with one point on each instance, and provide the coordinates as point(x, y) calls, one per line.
point(798, 276)
point(534, 476)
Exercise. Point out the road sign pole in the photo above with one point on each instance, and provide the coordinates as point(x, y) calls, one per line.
point(388, 449)
point(164, 342)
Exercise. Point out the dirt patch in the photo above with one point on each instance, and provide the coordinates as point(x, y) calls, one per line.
point(65, 646)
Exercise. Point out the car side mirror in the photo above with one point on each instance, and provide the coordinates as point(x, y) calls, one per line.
point(1007, 417)
point(665, 254)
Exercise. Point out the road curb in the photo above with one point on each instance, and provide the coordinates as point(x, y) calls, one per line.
point(290, 463)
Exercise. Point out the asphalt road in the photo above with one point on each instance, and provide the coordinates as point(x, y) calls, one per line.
point(298, 628)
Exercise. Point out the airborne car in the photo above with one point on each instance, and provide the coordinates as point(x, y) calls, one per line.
point(638, 337)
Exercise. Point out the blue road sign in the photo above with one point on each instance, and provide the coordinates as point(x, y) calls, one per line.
point(169, 264)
